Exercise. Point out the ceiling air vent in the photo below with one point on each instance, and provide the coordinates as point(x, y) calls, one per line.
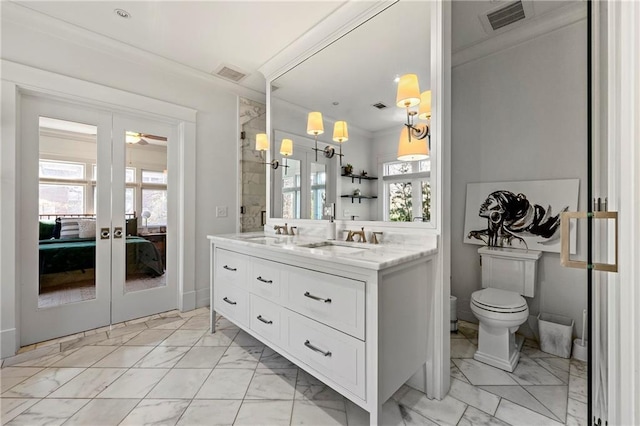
point(506, 15)
point(229, 73)
point(379, 105)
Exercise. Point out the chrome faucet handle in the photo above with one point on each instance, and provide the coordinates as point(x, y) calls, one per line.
point(374, 238)
point(292, 230)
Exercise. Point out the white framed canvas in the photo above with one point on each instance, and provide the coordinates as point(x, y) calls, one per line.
point(523, 215)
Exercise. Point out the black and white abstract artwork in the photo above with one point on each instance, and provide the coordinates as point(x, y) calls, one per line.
point(524, 215)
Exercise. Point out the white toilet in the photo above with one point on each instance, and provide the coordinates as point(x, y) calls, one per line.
point(507, 275)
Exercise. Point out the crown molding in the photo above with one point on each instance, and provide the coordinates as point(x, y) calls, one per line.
point(340, 22)
point(40, 22)
point(538, 26)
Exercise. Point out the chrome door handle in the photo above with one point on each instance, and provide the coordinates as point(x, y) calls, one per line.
point(320, 299)
point(105, 233)
point(229, 268)
point(313, 348)
point(264, 320)
point(264, 281)
point(565, 258)
point(117, 232)
point(229, 301)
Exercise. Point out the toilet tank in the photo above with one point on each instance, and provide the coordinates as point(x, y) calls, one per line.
point(510, 269)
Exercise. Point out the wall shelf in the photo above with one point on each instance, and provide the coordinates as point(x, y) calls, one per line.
point(359, 197)
point(359, 177)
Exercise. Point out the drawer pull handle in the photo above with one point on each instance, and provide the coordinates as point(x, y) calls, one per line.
point(311, 296)
point(313, 348)
point(264, 281)
point(229, 301)
point(264, 320)
point(229, 268)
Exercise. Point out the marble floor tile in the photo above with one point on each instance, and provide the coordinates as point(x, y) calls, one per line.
point(241, 357)
point(474, 417)
point(50, 412)
point(12, 407)
point(11, 376)
point(201, 357)
point(308, 387)
point(223, 324)
point(102, 412)
point(210, 413)
point(518, 395)
point(552, 397)
point(89, 383)
point(474, 396)
point(226, 384)
point(156, 412)
point(222, 337)
point(576, 412)
point(24, 358)
point(264, 412)
point(457, 335)
point(457, 374)
point(138, 320)
point(85, 356)
point(317, 412)
point(410, 417)
point(172, 325)
point(162, 357)
point(43, 383)
point(356, 416)
point(149, 338)
point(26, 348)
point(124, 356)
point(118, 340)
point(84, 341)
point(529, 372)
point(195, 312)
point(121, 331)
point(578, 388)
point(183, 338)
point(272, 359)
point(273, 384)
point(447, 411)
point(517, 415)
point(158, 322)
point(559, 367)
point(462, 348)
point(578, 368)
point(245, 339)
point(197, 323)
point(397, 395)
point(482, 374)
point(180, 384)
point(135, 383)
point(45, 361)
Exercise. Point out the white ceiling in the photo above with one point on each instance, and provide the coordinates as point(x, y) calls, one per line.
point(199, 34)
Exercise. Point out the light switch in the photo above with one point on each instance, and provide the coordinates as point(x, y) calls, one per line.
point(221, 211)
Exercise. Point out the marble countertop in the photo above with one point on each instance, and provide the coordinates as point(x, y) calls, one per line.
point(365, 255)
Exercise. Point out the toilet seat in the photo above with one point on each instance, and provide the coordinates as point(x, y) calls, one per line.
point(499, 301)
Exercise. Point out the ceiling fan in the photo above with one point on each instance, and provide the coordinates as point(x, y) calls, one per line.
point(141, 138)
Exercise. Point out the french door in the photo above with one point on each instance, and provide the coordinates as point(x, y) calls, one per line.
point(89, 255)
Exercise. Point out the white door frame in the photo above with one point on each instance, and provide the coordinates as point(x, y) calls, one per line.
point(18, 79)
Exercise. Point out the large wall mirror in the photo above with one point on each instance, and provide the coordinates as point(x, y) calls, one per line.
point(354, 79)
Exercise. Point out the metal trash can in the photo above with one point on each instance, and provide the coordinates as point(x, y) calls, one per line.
point(555, 334)
point(453, 303)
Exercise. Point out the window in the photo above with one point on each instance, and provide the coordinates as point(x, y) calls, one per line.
point(318, 181)
point(62, 187)
point(291, 190)
point(154, 201)
point(407, 191)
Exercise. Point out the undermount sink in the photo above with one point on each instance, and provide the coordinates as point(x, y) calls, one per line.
point(263, 239)
point(331, 247)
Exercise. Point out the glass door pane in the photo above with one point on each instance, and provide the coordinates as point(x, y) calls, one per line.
point(66, 212)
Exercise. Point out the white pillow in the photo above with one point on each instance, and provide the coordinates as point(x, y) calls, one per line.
point(86, 228)
point(69, 228)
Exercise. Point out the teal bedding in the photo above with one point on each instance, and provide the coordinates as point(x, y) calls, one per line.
point(79, 254)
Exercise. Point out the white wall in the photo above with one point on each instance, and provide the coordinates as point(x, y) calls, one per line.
point(216, 131)
point(521, 114)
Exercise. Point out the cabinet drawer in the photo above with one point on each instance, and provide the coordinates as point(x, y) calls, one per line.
point(232, 302)
point(335, 301)
point(330, 352)
point(266, 319)
point(265, 279)
point(231, 268)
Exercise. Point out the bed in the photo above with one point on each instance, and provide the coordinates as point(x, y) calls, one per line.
point(66, 254)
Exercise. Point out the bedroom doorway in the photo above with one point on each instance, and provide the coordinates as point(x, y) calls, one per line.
point(96, 219)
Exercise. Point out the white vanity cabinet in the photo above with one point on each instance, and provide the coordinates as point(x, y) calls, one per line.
point(362, 331)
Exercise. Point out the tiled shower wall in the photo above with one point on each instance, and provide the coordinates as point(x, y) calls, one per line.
point(252, 121)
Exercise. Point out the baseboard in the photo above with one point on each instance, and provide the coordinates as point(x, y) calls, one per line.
point(202, 298)
point(188, 302)
point(8, 343)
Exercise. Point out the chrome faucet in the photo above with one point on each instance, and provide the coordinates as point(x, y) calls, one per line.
point(279, 229)
point(351, 234)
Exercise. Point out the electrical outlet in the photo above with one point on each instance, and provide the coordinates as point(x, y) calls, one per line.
point(221, 211)
point(346, 213)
